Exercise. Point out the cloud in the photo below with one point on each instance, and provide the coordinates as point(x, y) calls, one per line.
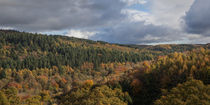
point(160, 25)
point(41, 15)
point(80, 34)
point(197, 18)
point(161, 12)
point(117, 21)
point(169, 12)
point(138, 16)
point(132, 2)
point(137, 33)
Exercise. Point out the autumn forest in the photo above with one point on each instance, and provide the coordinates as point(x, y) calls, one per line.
point(38, 69)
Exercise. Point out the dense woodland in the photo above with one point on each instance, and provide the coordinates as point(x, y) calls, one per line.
point(40, 69)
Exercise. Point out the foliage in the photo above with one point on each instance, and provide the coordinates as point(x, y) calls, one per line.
point(166, 72)
point(102, 95)
point(3, 99)
point(23, 50)
point(192, 92)
point(40, 69)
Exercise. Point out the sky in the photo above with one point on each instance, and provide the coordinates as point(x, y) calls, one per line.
point(114, 21)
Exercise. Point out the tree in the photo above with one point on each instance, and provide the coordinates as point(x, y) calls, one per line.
point(35, 100)
point(45, 96)
point(3, 74)
point(101, 95)
point(3, 99)
point(192, 92)
point(88, 83)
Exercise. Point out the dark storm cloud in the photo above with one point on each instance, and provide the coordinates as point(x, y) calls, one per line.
point(138, 33)
point(39, 15)
point(198, 18)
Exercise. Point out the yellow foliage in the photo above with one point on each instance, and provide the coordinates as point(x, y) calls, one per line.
point(88, 83)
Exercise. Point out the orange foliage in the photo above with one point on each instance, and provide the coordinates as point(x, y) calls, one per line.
point(87, 65)
point(121, 68)
point(43, 78)
point(103, 66)
point(206, 59)
point(26, 86)
point(147, 66)
point(99, 54)
point(68, 69)
point(55, 68)
point(64, 80)
point(136, 84)
point(54, 84)
point(25, 97)
point(16, 85)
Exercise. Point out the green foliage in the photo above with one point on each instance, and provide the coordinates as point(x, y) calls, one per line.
point(31, 51)
point(3, 99)
point(3, 74)
point(45, 96)
point(11, 95)
point(101, 95)
point(36, 100)
point(192, 92)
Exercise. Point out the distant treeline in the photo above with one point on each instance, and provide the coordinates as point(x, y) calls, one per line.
point(25, 50)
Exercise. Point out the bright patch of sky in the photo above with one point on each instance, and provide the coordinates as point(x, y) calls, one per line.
point(60, 32)
point(140, 7)
point(80, 34)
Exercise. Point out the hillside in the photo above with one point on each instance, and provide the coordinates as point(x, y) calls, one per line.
point(38, 69)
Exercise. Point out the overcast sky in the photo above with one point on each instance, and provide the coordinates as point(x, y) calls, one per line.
point(115, 21)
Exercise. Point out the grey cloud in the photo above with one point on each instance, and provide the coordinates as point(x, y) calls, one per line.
point(39, 15)
point(137, 33)
point(197, 18)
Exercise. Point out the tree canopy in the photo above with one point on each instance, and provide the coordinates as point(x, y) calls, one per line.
point(192, 92)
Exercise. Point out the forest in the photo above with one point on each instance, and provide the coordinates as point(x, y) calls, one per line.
point(38, 69)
